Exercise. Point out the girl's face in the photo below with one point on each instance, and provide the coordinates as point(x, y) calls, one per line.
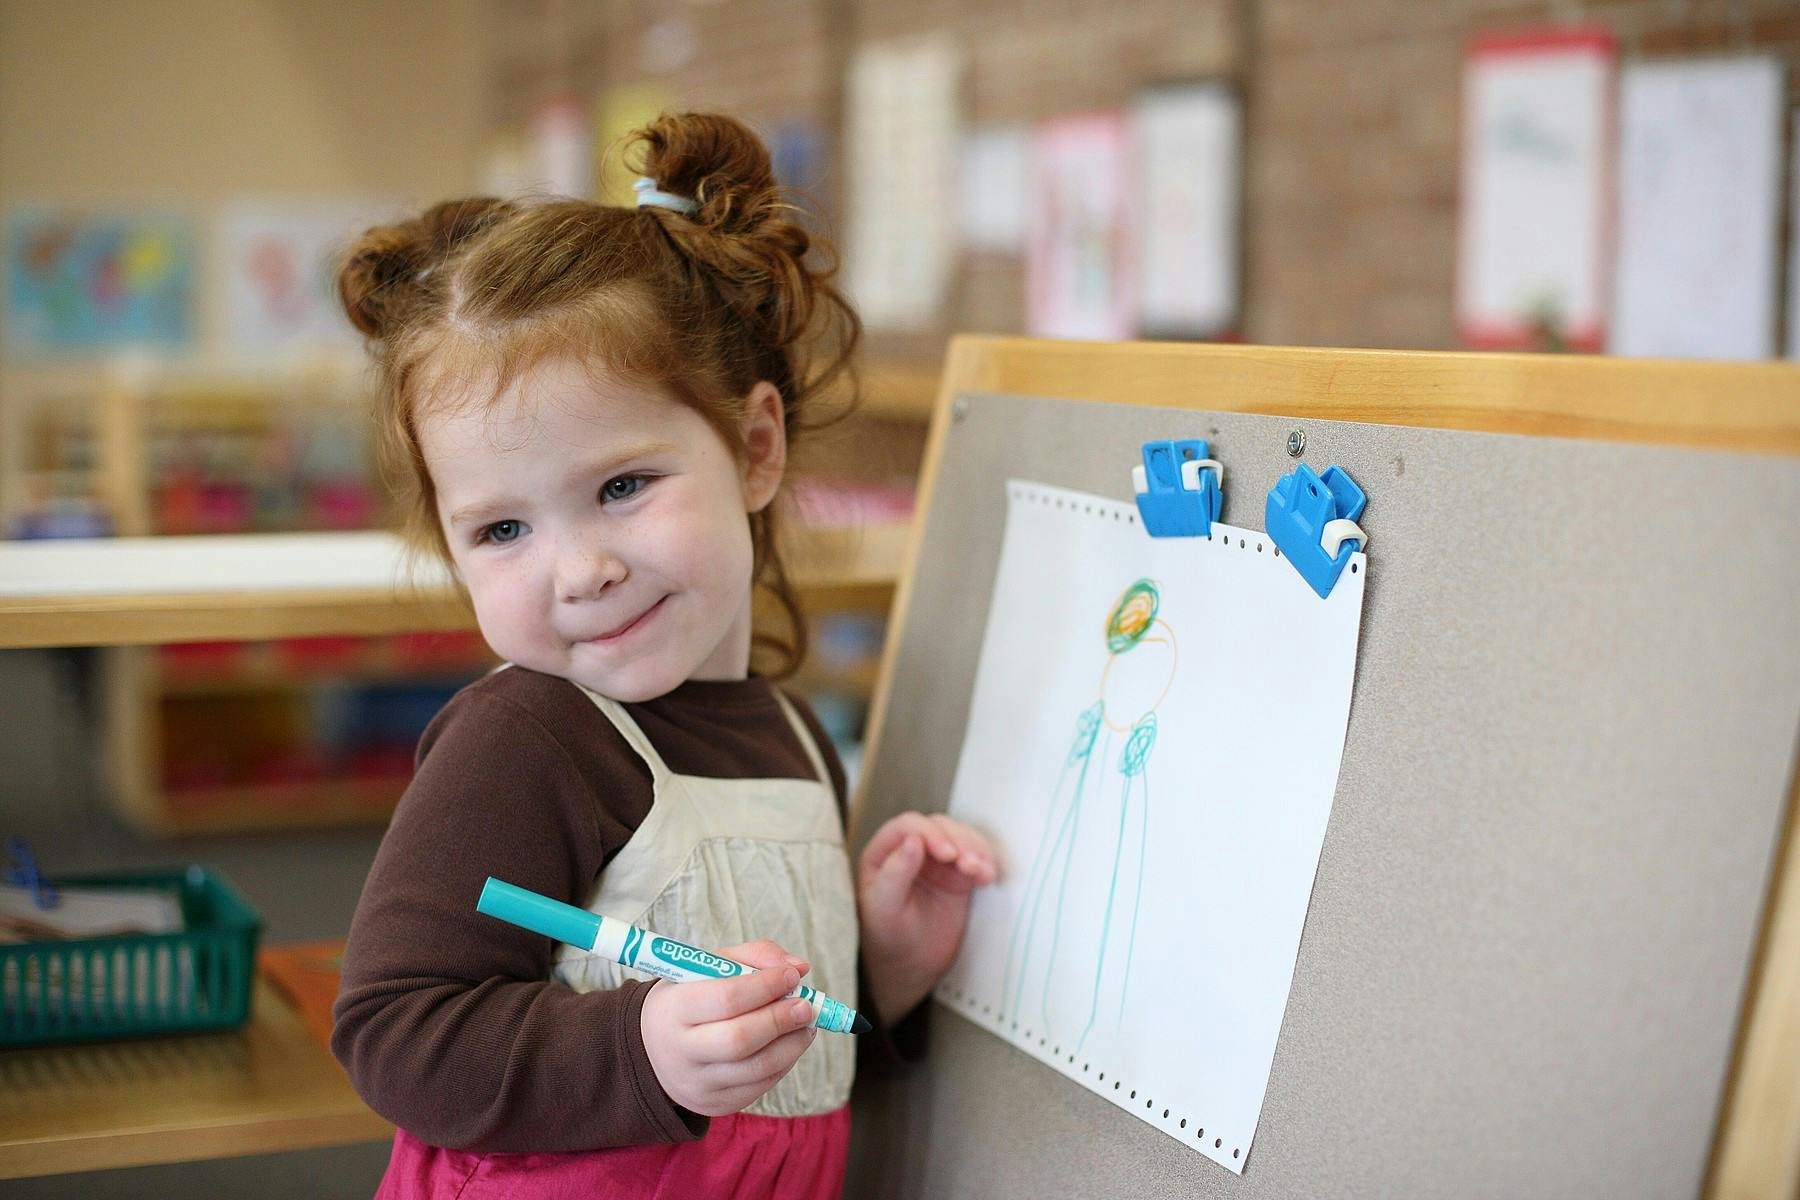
point(601, 527)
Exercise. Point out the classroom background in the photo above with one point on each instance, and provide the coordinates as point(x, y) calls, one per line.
point(1611, 177)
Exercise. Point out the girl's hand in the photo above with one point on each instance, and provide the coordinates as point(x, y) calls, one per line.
point(914, 882)
point(718, 1045)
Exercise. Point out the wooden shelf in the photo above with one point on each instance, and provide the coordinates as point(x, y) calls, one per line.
point(145, 591)
point(265, 678)
point(264, 1088)
point(258, 807)
point(899, 391)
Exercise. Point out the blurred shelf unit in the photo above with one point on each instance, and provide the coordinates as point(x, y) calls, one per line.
point(220, 736)
point(272, 674)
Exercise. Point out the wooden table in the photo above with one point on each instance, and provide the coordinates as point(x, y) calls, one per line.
point(266, 1087)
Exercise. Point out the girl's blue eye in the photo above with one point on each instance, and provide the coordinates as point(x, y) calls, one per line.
point(501, 532)
point(623, 487)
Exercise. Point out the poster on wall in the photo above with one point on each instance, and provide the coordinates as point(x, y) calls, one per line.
point(1538, 143)
point(1079, 278)
point(1189, 172)
point(901, 125)
point(1699, 209)
point(80, 284)
point(277, 268)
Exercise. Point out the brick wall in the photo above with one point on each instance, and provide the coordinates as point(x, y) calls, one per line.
point(1351, 109)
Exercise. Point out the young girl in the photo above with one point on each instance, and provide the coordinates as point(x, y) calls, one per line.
point(593, 408)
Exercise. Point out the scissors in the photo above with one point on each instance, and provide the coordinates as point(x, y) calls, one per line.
point(22, 870)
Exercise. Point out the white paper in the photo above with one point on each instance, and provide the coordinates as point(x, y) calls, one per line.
point(1532, 229)
point(902, 118)
point(95, 912)
point(996, 174)
point(1699, 209)
point(1142, 937)
point(1188, 182)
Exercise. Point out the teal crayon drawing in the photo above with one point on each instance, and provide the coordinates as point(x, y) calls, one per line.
point(1055, 943)
point(641, 950)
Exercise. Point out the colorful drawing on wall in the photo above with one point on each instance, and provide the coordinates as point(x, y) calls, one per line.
point(1079, 278)
point(1093, 842)
point(278, 266)
point(82, 283)
point(1539, 141)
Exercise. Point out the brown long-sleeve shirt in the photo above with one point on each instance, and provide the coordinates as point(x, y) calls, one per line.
point(447, 1021)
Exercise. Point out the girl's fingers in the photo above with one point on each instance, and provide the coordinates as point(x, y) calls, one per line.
point(890, 835)
point(766, 1067)
point(718, 1001)
point(974, 856)
point(744, 1037)
point(887, 889)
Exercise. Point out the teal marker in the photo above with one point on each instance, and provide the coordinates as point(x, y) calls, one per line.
point(641, 950)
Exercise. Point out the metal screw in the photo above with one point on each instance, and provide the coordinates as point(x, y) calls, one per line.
point(1297, 443)
point(959, 408)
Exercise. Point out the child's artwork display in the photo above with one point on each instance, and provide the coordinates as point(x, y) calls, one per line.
point(279, 275)
point(1538, 145)
point(1153, 745)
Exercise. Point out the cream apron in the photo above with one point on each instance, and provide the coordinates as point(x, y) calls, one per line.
point(722, 861)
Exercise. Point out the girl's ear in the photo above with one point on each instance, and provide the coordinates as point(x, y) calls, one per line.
point(764, 431)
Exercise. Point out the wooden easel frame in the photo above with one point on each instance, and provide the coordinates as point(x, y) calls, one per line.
point(1752, 407)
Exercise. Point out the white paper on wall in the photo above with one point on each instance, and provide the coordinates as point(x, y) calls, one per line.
point(1699, 209)
point(1188, 165)
point(902, 121)
point(1153, 744)
point(994, 188)
point(1538, 144)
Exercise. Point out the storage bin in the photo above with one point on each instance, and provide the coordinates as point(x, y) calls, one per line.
point(136, 985)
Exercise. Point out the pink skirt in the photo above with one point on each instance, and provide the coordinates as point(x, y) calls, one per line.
point(743, 1157)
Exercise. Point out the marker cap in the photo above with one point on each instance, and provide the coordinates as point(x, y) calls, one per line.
point(540, 914)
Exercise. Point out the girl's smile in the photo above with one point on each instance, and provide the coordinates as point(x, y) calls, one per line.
point(632, 626)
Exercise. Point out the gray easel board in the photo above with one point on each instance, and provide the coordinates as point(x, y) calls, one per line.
point(1568, 756)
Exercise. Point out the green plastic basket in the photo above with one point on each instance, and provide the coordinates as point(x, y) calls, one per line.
point(136, 985)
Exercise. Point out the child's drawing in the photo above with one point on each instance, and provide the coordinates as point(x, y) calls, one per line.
point(1094, 838)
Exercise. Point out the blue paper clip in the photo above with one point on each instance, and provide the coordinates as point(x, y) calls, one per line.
point(1178, 488)
point(1312, 518)
point(22, 870)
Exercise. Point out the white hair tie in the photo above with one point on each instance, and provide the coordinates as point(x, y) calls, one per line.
point(649, 197)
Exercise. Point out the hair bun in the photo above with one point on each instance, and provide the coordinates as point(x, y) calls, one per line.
point(388, 269)
point(715, 160)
